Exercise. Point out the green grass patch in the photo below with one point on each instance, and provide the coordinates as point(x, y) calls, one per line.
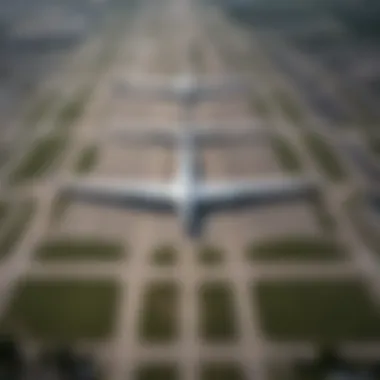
point(286, 155)
point(38, 111)
point(159, 321)
point(260, 107)
point(317, 311)
point(79, 249)
point(63, 310)
point(17, 228)
point(326, 220)
point(289, 371)
point(59, 207)
point(210, 255)
point(325, 157)
point(300, 248)
point(363, 112)
point(161, 371)
point(284, 371)
point(221, 371)
point(321, 369)
point(165, 254)
point(87, 160)
point(39, 160)
point(367, 232)
point(4, 212)
point(70, 113)
point(217, 316)
point(374, 145)
point(289, 107)
point(73, 110)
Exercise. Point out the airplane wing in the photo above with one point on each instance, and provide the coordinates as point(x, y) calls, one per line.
point(133, 194)
point(223, 195)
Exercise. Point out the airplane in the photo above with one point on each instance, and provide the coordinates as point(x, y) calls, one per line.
point(187, 193)
point(187, 89)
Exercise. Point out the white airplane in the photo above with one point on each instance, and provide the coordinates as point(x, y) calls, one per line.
point(187, 193)
point(187, 89)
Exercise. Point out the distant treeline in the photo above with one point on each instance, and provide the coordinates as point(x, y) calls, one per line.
point(360, 17)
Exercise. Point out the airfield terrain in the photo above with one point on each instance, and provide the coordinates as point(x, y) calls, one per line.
point(235, 314)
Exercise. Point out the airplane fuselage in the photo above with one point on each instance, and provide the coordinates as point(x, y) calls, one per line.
point(188, 176)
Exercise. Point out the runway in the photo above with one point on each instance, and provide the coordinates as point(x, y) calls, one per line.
point(158, 42)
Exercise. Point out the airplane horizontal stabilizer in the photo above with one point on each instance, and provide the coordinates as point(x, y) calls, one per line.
point(143, 194)
point(215, 195)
